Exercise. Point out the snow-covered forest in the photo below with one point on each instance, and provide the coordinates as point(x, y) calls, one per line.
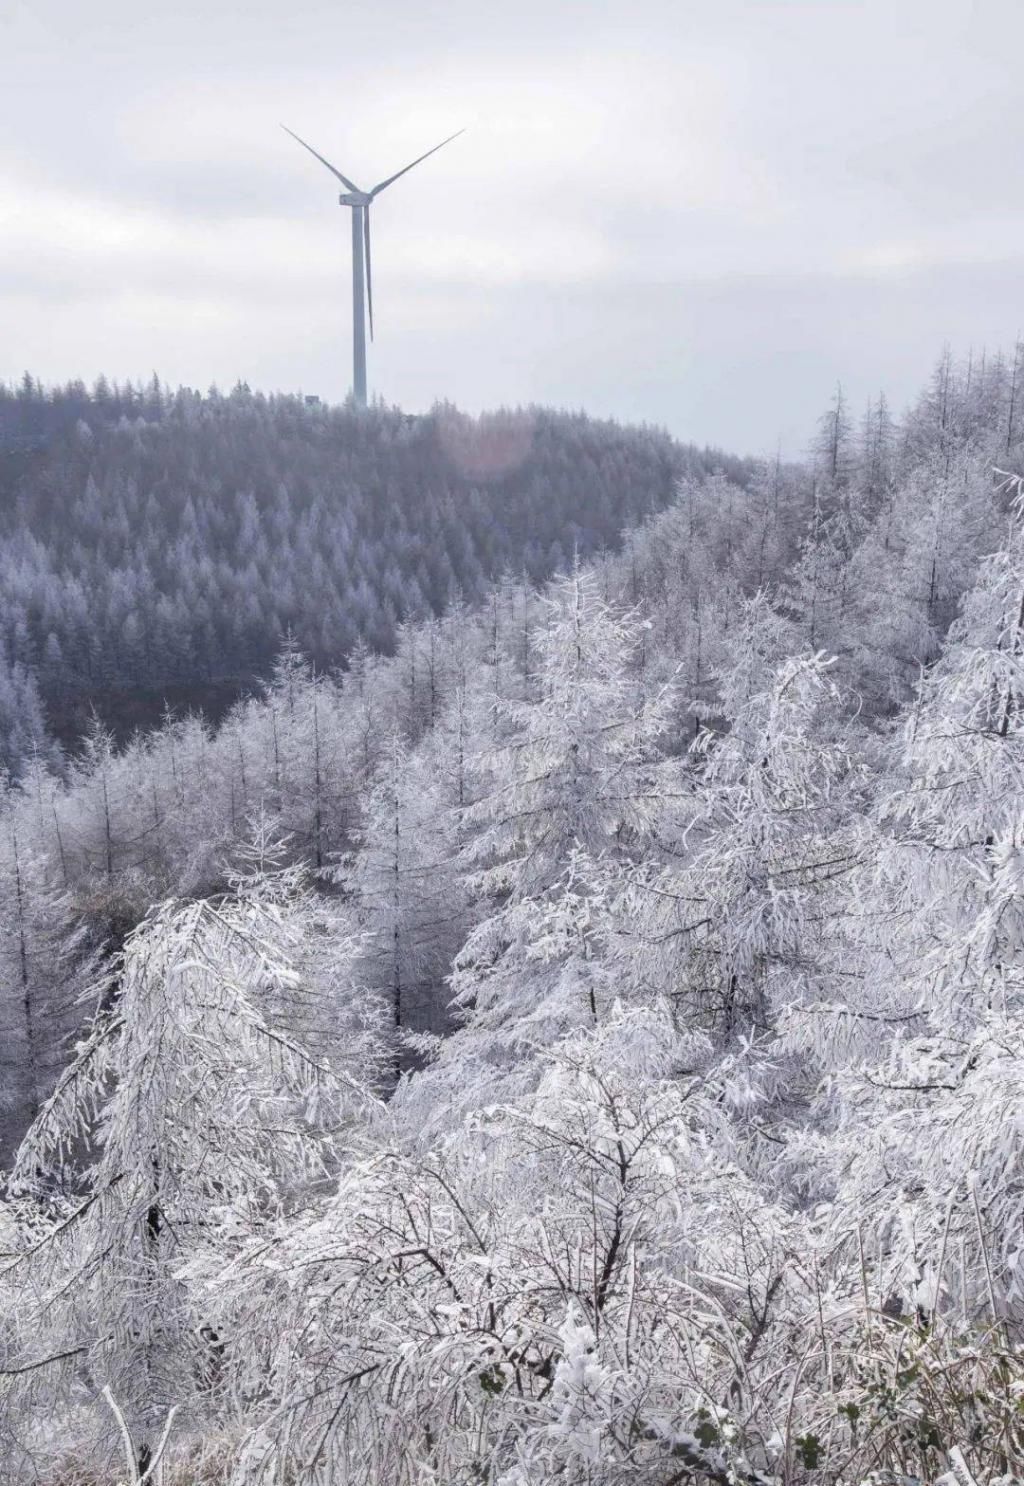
point(158, 544)
point(585, 1045)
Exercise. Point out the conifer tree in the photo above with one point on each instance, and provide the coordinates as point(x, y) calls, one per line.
point(184, 1111)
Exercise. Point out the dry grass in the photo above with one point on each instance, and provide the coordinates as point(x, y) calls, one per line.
point(205, 1464)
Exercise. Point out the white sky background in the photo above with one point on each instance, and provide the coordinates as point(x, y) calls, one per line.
point(698, 213)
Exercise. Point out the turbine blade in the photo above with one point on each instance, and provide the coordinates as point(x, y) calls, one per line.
point(369, 275)
point(332, 168)
point(377, 189)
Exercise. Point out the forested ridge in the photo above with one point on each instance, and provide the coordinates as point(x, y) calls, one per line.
point(158, 544)
point(584, 1045)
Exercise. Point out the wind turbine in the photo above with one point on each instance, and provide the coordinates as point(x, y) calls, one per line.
point(362, 282)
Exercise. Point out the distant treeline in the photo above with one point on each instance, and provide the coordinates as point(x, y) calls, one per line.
point(157, 543)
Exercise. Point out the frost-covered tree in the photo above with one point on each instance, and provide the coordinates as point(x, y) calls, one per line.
point(519, 1294)
point(46, 966)
point(735, 928)
point(578, 763)
point(408, 900)
point(184, 1110)
point(946, 873)
point(917, 560)
point(928, 1147)
point(577, 781)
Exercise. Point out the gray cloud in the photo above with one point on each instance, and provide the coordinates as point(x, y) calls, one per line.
point(697, 212)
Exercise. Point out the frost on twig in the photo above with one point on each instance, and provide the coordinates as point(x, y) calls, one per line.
point(145, 1464)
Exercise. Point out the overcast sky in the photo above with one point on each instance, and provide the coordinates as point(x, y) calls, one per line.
point(698, 213)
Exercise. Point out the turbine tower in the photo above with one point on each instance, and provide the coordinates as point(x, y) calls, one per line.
point(362, 281)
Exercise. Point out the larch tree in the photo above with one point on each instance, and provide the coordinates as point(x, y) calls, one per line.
point(578, 764)
point(578, 781)
point(407, 897)
point(735, 929)
point(184, 1112)
point(47, 964)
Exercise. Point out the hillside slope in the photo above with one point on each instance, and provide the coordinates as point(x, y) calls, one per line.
point(584, 1046)
point(160, 545)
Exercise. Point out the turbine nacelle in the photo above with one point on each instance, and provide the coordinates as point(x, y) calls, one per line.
point(355, 198)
